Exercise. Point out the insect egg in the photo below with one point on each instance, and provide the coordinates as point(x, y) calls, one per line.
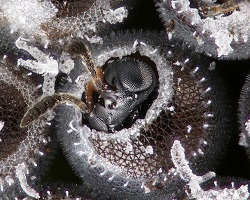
point(134, 161)
point(21, 149)
point(218, 30)
point(134, 115)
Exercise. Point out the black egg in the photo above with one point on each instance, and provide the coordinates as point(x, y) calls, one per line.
point(217, 29)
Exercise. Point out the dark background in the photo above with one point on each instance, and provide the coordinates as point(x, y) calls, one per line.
point(233, 73)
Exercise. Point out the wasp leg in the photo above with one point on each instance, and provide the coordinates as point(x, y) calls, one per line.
point(47, 103)
point(95, 86)
point(97, 75)
point(90, 91)
point(99, 80)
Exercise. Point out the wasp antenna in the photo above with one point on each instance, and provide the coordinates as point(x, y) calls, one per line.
point(89, 64)
point(80, 47)
point(69, 98)
point(96, 74)
point(47, 103)
point(37, 109)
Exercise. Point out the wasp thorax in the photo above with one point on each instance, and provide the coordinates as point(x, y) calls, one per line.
point(129, 83)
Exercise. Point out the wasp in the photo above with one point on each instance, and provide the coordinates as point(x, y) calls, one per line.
point(110, 96)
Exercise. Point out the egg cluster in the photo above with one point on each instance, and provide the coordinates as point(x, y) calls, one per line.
point(137, 114)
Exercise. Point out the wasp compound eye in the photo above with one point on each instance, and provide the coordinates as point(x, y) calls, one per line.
point(133, 82)
point(220, 29)
point(131, 75)
point(186, 112)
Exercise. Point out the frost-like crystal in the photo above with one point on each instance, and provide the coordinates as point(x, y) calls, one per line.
point(43, 21)
point(44, 65)
point(1, 125)
point(247, 124)
point(194, 181)
point(114, 16)
point(26, 16)
point(20, 174)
